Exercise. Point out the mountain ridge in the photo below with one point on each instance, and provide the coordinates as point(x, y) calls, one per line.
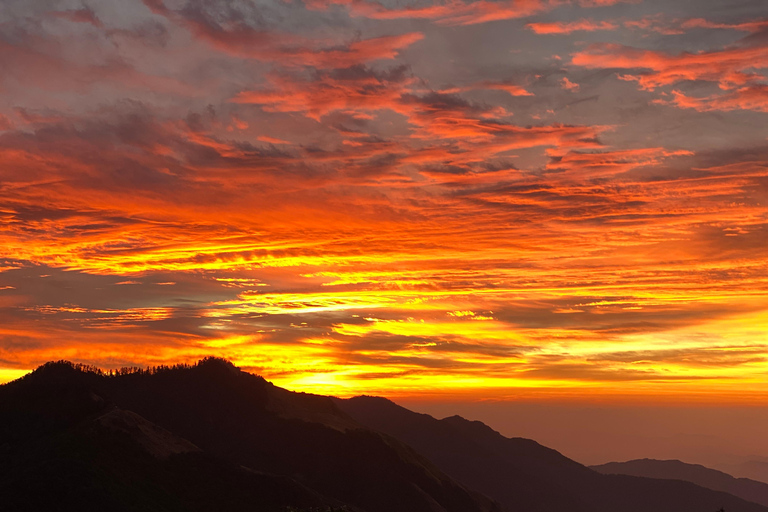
point(481, 458)
point(750, 490)
point(229, 415)
point(210, 436)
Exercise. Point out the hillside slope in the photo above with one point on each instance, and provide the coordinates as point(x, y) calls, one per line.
point(750, 490)
point(212, 431)
point(523, 475)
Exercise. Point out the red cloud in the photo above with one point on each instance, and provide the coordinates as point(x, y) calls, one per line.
point(655, 24)
point(753, 97)
point(477, 142)
point(321, 54)
point(729, 68)
point(352, 89)
point(434, 116)
point(569, 27)
point(512, 89)
point(568, 85)
point(747, 26)
point(242, 40)
point(271, 140)
point(357, 52)
point(84, 15)
point(580, 165)
point(451, 13)
point(445, 128)
point(5, 123)
point(733, 69)
point(458, 12)
point(34, 63)
point(660, 25)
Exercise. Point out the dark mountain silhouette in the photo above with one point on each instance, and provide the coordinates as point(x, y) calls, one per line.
point(525, 476)
point(211, 437)
point(750, 490)
point(64, 447)
point(205, 437)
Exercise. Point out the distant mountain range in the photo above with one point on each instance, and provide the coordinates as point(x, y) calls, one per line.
point(211, 437)
point(745, 488)
point(523, 475)
point(753, 469)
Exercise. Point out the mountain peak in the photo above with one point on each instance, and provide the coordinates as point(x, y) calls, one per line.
point(56, 375)
point(216, 362)
point(472, 425)
point(373, 399)
point(137, 430)
point(64, 368)
point(217, 366)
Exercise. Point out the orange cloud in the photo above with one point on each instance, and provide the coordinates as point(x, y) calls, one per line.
point(734, 69)
point(357, 88)
point(512, 89)
point(729, 68)
point(606, 163)
point(271, 140)
point(242, 40)
point(754, 97)
point(664, 26)
point(583, 25)
point(568, 85)
point(356, 52)
point(747, 26)
point(434, 115)
point(460, 12)
point(452, 13)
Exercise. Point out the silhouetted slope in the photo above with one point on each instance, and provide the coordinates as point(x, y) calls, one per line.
point(243, 418)
point(525, 476)
point(745, 488)
point(65, 447)
point(252, 440)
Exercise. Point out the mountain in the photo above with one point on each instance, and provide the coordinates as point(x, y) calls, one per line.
point(202, 437)
point(522, 475)
point(753, 469)
point(745, 488)
point(212, 437)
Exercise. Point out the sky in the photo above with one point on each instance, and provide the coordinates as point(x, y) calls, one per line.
point(520, 201)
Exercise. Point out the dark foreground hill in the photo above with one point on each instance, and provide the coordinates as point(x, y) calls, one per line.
point(207, 437)
point(745, 488)
point(523, 475)
point(210, 437)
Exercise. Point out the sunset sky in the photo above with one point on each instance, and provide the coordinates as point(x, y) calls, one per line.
point(510, 200)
